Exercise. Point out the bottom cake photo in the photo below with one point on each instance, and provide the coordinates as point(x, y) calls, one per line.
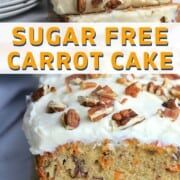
point(105, 127)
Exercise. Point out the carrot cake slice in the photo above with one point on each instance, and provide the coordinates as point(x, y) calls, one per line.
point(89, 6)
point(105, 127)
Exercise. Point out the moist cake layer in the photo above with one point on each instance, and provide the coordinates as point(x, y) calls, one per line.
point(91, 108)
point(129, 160)
point(88, 6)
point(167, 13)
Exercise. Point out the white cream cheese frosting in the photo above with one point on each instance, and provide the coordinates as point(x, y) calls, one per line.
point(70, 6)
point(45, 132)
point(166, 13)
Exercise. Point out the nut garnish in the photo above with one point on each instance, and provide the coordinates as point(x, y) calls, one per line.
point(171, 109)
point(98, 112)
point(112, 4)
point(96, 3)
point(154, 89)
point(123, 117)
point(55, 106)
point(105, 91)
point(121, 80)
point(171, 104)
point(175, 91)
point(132, 90)
point(41, 92)
point(170, 113)
point(87, 85)
point(171, 76)
point(81, 6)
point(71, 119)
point(88, 101)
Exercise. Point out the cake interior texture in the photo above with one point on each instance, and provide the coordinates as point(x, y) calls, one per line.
point(126, 161)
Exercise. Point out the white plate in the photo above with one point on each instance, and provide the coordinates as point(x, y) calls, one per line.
point(17, 6)
point(19, 11)
point(6, 3)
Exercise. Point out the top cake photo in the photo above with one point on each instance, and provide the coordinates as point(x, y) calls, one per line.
point(116, 10)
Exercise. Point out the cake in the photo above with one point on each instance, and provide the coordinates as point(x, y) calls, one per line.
point(105, 127)
point(116, 10)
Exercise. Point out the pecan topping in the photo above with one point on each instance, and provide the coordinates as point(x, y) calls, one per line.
point(98, 112)
point(81, 6)
point(96, 3)
point(155, 89)
point(54, 106)
point(123, 117)
point(41, 92)
point(171, 113)
point(171, 104)
point(175, 91)
point(87, 85)
point(174, 168)
point(171, 76)
point(88, 101)
point(71, 119)
point(132, 90)
point(105, 91)
point(121, 80)
point(112, 4)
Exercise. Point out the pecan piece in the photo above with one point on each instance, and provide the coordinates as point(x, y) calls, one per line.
point(41, 92)
point(123, 117)
point(81, 6)
point(98, 112)
point(175, 91)
point(170, 113)
point(71, 119)
point(88, 101)
point(55, 106)
point(171, 76)
point(105, 91)
point(112, 4)
point(132, 90)
point(96, 3)
point(80, 170)
point(170, 104)
point(154, 89)
point(87, 85)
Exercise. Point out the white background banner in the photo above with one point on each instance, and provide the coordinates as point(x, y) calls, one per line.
point(105, 62)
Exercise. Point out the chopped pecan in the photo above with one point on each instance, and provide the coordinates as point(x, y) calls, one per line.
point(71, 119)
point(171, 76)
point(171, 104)
point(170, 113)
point(87, 85)
point(98, 112)
point(80, 170)
point(121, 80)
point(123, 117)
point(81, 6)
point(112, 4)
point(41, 92)
point(72, 78)
point(132, 90)
point(105, 91)
point(174, 168)
point(55, 106)
point(154, 89)
point(96, 3)
point(175, 91)
point(88, 101)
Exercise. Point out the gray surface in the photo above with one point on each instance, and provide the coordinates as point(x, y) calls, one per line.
point(37, 14)
point(16, 161)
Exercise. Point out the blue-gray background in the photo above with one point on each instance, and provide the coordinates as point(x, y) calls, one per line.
point(16, 162)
